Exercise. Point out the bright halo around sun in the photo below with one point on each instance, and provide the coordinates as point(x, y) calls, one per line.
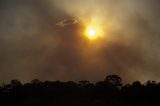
point(93, 32)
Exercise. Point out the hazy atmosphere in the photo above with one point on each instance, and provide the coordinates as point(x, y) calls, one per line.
point(47, 40)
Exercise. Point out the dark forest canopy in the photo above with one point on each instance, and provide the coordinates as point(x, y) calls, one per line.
point(110, 92)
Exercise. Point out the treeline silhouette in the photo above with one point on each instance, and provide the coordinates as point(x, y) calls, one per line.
point(110, 92)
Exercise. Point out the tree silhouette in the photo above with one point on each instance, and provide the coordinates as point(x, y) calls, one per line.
point(109, 92)
point(113, 79)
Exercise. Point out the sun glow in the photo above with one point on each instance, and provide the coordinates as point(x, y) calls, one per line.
point(94, 29)
point(93, 32)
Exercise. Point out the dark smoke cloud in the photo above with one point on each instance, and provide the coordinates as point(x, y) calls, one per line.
point(27, 37)
point(32, 45)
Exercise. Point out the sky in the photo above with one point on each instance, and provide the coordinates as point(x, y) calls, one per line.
point(44, 39)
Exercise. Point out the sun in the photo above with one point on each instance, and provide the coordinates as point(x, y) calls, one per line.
point(91, 33)
point(94, 28)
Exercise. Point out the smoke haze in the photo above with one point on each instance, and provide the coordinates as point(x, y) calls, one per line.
point(45, 39)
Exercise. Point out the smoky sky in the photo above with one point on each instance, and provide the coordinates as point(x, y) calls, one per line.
point(44, 39)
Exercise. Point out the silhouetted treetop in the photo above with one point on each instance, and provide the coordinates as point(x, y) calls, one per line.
point(114, 79)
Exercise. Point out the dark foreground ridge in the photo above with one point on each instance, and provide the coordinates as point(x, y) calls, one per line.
point(109, 92)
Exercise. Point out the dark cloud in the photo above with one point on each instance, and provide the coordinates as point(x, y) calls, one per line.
point(27, 37)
